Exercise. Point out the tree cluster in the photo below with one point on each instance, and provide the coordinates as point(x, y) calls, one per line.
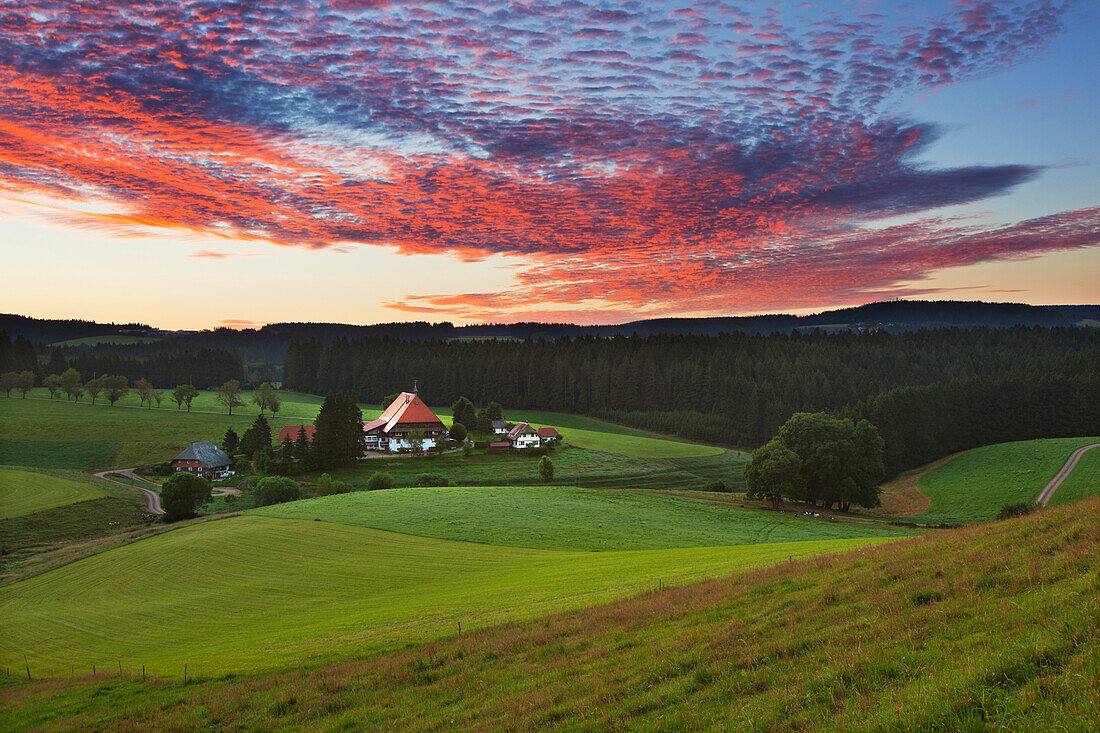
point(819, 459)
point(338, 439)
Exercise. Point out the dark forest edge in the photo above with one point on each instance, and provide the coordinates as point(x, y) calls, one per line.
point(930, 392)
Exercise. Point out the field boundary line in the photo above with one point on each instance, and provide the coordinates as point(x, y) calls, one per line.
point(1071, 463)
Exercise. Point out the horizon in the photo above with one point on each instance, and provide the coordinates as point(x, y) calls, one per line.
point(590, 163)
point(806, 314)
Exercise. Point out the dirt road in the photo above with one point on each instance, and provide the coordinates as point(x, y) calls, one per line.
point(1045, 494)
point(152, 497)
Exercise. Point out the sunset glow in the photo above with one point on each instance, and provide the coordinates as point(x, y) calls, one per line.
point(585, 161)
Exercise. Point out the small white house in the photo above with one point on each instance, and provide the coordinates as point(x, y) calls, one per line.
point(523, 436)
point(500, 427)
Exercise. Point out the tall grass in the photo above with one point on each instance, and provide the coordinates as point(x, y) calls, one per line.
point(995, 627)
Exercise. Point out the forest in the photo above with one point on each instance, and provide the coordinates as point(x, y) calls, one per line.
point(930, 392)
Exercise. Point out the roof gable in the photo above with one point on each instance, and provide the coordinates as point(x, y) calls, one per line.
point(407, 408)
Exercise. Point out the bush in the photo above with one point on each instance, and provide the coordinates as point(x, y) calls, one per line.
point(1015, 510)
point(717, 486)
point(546, 469)
point(379, 480)
point(459, 432)
point(430, 479)
point(182, 495)
point(326, 486)
point(277, 490)
point(163, 469)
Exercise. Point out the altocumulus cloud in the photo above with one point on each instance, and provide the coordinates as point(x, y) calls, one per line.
point(636, 154)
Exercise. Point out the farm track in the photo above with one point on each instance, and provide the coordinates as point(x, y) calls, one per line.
point(1071, 463)
point(151, 497)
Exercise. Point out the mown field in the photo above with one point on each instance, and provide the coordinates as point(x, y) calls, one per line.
point(973, 486)
point(560, 518)
point(27, 492)
point(260, 592)
point(995, 627)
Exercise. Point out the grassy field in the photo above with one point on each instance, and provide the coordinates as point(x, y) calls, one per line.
point(973, 486)
point(63, 435)
point(560, 518)
point(251, 591)
point(994, 627)
point(27, 492)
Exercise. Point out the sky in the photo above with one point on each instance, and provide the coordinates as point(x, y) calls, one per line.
point(203, 163)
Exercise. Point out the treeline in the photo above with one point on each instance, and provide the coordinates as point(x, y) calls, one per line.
point(205, 367)
point(1054, 398)
point(734, 389)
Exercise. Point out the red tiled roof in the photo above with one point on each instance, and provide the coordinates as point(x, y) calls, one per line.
point(547, 433)
point(376, 423)
point(291, 431)
point(407, 408)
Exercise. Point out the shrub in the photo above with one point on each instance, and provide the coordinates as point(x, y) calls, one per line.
point(163, 469)
point(1015, 510)
point(326, 486)
point(459, 432)
point(182, 495)
point(276, 490)
point(379, 480)
point(717, 486)
point(430, 479)
point(546, 469)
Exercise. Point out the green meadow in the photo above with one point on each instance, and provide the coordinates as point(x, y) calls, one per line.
point(28, 492)
point(566, 518)
point(253, 592)
point(973, 486)
point(994, 627)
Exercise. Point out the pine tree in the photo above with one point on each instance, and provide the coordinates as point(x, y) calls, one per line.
point(338, 439)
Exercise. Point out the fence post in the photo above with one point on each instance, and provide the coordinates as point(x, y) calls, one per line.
point(120, 667)
point(143, 673)
point(185, 671)
point(28, 666)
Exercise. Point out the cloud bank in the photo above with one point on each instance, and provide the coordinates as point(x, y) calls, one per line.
point(642, 155)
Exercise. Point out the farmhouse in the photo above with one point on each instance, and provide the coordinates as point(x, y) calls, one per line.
point(203, 459)
point(290, 432)
point(524, 436)
point(401, 423)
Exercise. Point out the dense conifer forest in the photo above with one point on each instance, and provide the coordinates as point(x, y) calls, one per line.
point(929, 391)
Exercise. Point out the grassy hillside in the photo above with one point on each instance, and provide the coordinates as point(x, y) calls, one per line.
point(63, 435)
point(27, 492)
point(248, 592)
point(562, 518)
point(995, 627)
point(973, 486)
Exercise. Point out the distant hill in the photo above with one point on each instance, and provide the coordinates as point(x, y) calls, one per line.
point(270, 341)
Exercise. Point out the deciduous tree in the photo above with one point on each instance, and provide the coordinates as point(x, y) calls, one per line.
point(24, 382)
point(52, 382)
point(114, 388)
point(184, 394)
point(144, 389)
point(182, 495)
point(229, 395)
point(70, 382)
point(774, 472)
point(94, 387)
